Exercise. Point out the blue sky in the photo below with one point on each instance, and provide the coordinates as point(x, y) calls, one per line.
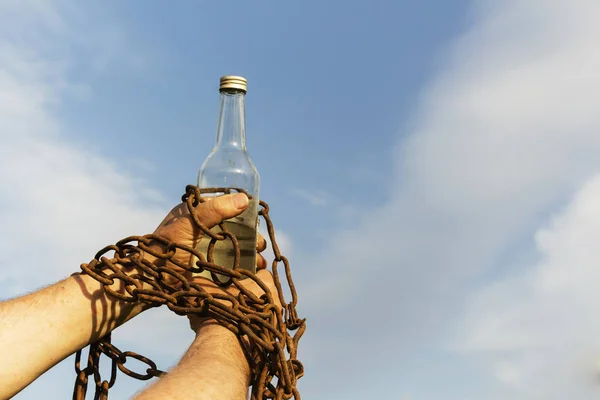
point(329, 89)
point(431, 166)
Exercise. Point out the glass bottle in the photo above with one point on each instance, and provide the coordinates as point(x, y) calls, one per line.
point(229, 166)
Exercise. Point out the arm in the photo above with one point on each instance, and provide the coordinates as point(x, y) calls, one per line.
point(40, 329)
point(214, 367)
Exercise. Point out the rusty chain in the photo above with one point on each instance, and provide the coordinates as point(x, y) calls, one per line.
point(269, 345)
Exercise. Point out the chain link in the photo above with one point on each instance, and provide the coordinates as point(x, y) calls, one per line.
point(272, 348)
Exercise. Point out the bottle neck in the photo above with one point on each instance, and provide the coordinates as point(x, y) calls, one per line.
point(231, 131)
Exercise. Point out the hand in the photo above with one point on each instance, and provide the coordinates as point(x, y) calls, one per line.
point(264, 275)
point(216, 352)
point(178, 226)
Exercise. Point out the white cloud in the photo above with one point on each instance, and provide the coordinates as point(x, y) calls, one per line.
point(539, 331)
point(59, 202)
point(314, 198)
point(507, 131)
point(284, 242)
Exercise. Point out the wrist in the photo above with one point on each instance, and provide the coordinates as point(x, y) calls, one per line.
point(109, 311)
point(222, 346)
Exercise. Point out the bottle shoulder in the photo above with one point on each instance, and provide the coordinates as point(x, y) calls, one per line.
point(229, 168)
point(229, 158)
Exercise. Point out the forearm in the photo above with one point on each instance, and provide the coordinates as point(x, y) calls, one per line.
point(214, 367)
point(40, 329)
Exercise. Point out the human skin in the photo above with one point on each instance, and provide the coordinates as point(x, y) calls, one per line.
point(40, 329)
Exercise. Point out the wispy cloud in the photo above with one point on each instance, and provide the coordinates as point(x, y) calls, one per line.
point(60, 199)
point(506, 131)
point(61, 202)
point(314, 198)
point(541, 324)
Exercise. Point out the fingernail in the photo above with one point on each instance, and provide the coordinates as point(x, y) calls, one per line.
point(240, 200)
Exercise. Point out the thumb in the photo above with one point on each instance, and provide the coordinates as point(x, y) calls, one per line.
point(215, 210)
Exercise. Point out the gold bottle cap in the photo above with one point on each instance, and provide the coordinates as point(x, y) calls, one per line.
point(233, 83)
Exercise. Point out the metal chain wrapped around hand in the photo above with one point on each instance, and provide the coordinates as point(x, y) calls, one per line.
point(272, 349)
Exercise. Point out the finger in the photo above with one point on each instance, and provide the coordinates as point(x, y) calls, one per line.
point(261, 243)
point(261, 263)
point(267, 278)
point(211, 213)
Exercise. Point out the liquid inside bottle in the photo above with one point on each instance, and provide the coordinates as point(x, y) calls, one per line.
point(229, 166)
point(244, 228)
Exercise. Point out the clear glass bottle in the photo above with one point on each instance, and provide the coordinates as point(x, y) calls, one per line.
point(229, 166)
